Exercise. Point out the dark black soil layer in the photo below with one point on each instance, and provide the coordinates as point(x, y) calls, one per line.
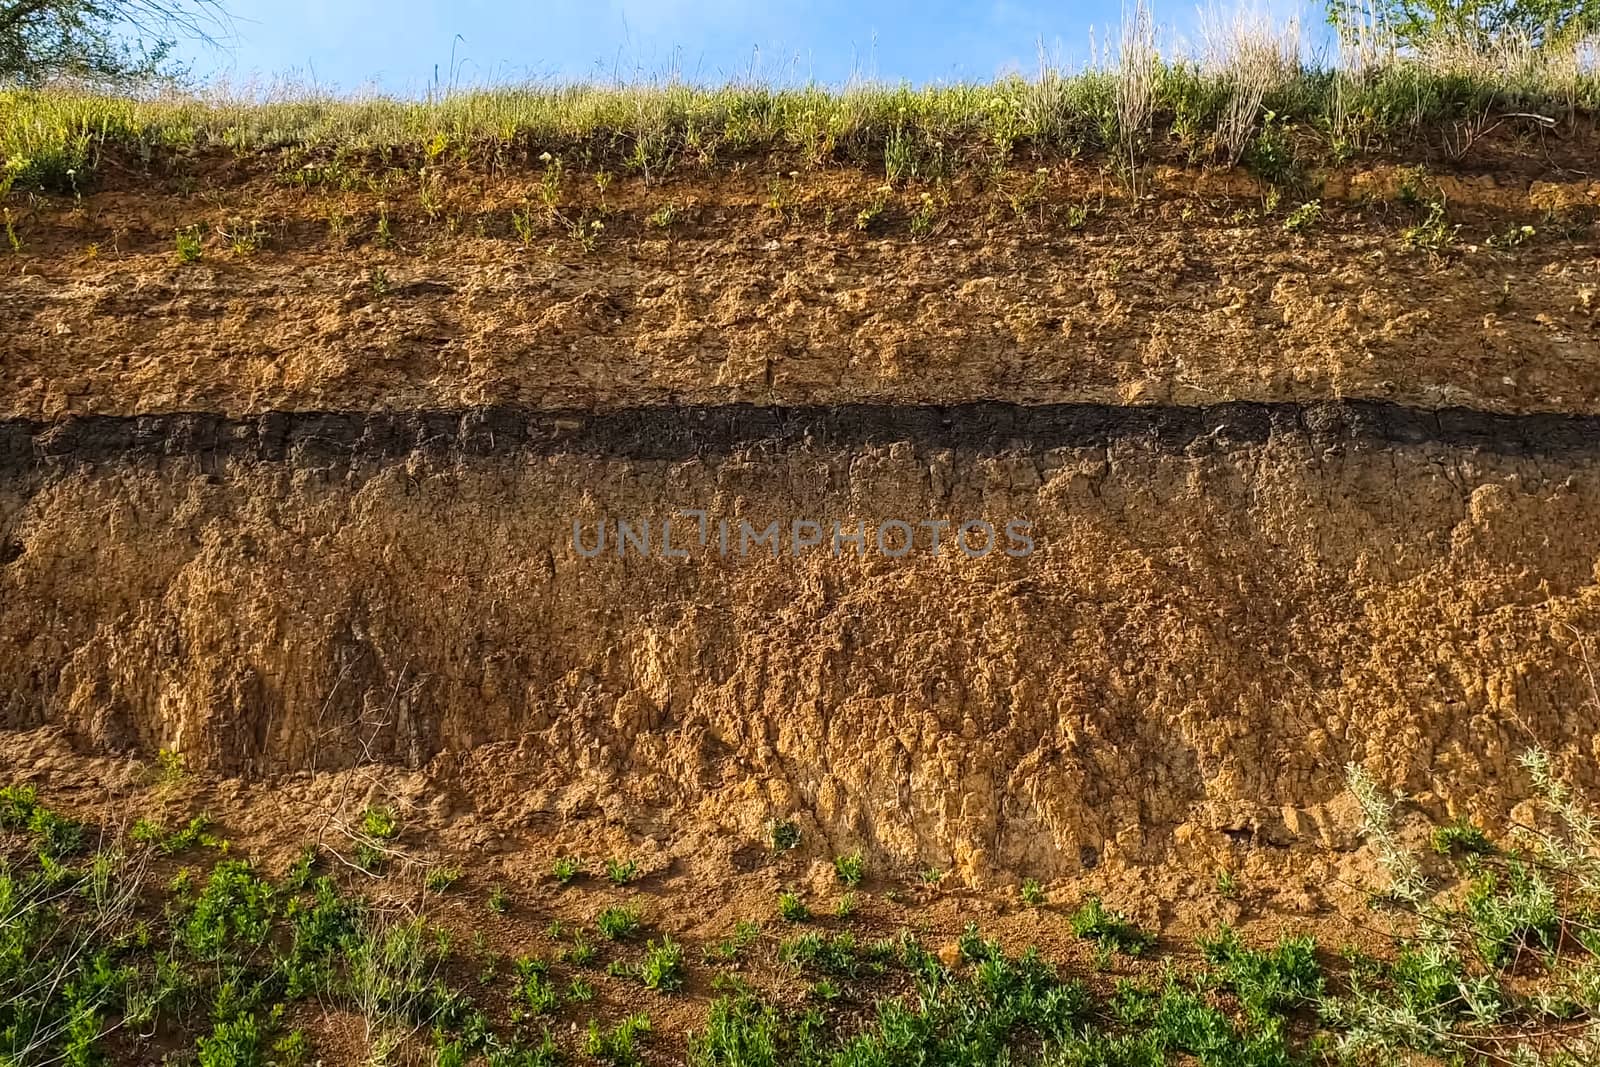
point(320, 438)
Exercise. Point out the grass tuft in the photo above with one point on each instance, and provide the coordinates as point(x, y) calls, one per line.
point(1244, 94)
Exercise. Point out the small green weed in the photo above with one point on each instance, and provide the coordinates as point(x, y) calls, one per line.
point(925, 217)
point(536, 993)
point(380, 822)
point(618, 922)
point(792, 907)
point(499, 900)
point(1460, 837)
point(1434, 233)
point(662, 966)
point(244, 238)
point(850, 869)
point(369, 858)
point(621, 872)
point(441, 879)
point(195, 833)
point(785, 835)
point(1514, 237)
point(190, 244)
point(663, 217)
point(525, 225)
point(617, 1047)
point(869, 215)
point(1303, 218)
point(1284, 978)
point(1109, 929)
point(728, 948)
point(580, 953)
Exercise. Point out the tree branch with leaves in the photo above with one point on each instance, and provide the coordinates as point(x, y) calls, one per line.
point(116, 41)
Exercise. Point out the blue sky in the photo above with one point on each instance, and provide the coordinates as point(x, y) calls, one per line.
point(397, 45)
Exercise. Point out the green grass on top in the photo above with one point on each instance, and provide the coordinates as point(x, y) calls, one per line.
point(54, 139)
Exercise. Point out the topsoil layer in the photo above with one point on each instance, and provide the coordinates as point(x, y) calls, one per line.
point(455, 290)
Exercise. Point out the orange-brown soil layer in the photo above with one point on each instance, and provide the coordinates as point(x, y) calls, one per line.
point(390, 288)
point(1208, 631)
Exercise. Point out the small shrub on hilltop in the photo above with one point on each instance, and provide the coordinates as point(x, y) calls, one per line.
point(1467, 24)
point(1271, 155)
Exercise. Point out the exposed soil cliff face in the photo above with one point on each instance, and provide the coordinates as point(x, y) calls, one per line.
point(1217, 617)
point(312, 504)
